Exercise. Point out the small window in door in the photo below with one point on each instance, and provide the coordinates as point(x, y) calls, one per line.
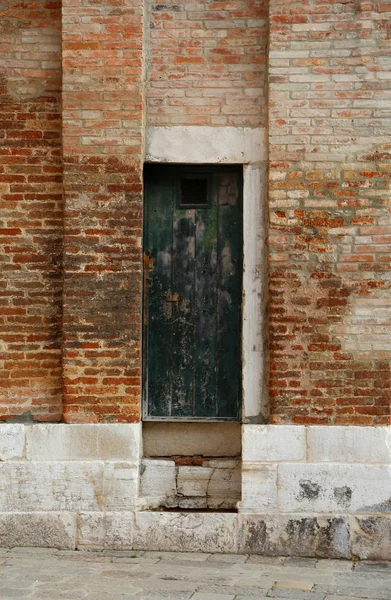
point(194, 191)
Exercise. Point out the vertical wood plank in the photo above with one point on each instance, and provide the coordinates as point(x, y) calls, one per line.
point(205, 312)
point(229, 295)
point(158, 255)
point(183, 332)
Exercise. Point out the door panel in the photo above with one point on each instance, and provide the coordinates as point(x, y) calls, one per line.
point(192, 293)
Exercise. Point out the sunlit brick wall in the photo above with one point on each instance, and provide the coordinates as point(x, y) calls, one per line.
point(207, 62)
point(330, 211)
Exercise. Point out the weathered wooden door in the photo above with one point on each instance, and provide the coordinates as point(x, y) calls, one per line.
point(192, 293)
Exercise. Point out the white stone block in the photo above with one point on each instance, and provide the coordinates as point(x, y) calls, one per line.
point(225, 483)
point(105, 531)
point(203, 144)
point(84, 442)
point(189, 439)
point(51, 486)
point(334, 488)
point(259, 488)
point(67, 486)
point(193, 481)
point(273, 443)
point(349, 444)
point(158, 482)
point(38, 529)
point(120, 486)
point(185, 532)
point(12, 439)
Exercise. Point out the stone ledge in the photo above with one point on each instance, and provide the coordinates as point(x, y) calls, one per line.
point(362, 537)
point(105, 530)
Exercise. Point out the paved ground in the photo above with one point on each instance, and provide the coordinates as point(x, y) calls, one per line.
point(58, 575)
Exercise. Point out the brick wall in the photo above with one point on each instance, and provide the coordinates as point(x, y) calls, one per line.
point(207, 62)
point(330, 237)
point(30, 209)
point(102, 145)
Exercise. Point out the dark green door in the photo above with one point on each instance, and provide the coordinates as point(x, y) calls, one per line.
point(192, 293)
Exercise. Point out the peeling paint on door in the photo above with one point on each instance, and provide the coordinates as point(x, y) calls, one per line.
point(192, 294)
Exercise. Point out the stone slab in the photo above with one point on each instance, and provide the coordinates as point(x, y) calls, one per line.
point(114, 441)
point(191, 439)
point(259, 487)
point(120, 486)
point(48, 530)
point(334, 488)
point(67, 486)
point(38, 573)
point(224, 489)
point(294, 535)
point(12, 441)
point(101, 531)
point(195, 144)
point(349, 444)
point(194, 481)
point(158, 483)
point(173, 531)
point(202, 596)
point(371, 537)
point(273, 443)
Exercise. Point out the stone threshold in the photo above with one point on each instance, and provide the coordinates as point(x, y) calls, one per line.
point(355, 537)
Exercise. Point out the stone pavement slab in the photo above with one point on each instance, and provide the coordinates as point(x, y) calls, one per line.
point(45, 574)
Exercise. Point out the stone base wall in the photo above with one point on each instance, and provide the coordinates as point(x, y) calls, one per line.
point(316, 491)
point(305, 491)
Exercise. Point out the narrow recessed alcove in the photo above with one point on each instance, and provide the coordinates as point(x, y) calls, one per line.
point(191, 466)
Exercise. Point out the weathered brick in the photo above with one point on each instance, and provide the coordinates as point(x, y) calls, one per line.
point(30, 210)
point(103, 211)
point(318, 259)
point(208, 50)
point(329, 237)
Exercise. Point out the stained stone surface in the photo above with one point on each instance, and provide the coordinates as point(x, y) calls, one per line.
point(54, 530)
point(371, 537)
point(310, 536)
point(185, 531)
point(47, 574)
